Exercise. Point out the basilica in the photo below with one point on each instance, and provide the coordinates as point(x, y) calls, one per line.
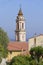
point(20, 46)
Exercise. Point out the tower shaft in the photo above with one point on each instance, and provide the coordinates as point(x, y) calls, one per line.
point(20, 27)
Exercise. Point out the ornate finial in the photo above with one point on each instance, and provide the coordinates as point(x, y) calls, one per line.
point(20, 6)
point(20, 11)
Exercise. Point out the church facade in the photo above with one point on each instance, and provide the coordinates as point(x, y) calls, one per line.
point(20, 46)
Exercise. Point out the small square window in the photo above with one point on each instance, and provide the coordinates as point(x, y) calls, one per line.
point(10, 52)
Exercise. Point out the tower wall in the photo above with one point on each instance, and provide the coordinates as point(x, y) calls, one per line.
point(20, 27)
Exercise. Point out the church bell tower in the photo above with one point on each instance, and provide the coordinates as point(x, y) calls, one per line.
point(20, 27)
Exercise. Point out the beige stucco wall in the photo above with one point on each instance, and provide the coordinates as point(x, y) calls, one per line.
point(30, 43)
point(22, 36)
point(11, 55)
point(39, 42)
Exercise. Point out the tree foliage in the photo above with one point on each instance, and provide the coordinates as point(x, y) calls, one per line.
point(3, 37)
point(20, 60)
point(36, 52)
point(25, 60)
point(3, 43)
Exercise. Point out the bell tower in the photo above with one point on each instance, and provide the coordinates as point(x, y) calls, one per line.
point(20, 27)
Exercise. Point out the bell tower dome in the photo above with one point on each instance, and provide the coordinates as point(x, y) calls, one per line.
point(20, 27)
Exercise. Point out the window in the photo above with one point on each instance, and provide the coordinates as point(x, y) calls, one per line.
point(35, 41)
point(10, 52)
point(22, 25)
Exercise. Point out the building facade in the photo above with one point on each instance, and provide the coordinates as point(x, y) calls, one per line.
point(20, 46)
point(35, 41)
point(16, 48)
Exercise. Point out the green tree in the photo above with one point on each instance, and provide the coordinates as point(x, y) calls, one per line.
point(20, 60)
point(36, 52)
point(33, 62)
point(25, 60)
point(3, 38)
point(3, 43)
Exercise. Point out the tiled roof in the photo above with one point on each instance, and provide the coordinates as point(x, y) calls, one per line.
point(17, 46)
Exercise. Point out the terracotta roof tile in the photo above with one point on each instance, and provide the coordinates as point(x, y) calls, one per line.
point(14, 46)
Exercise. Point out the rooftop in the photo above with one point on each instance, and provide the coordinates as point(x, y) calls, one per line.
point(17, 46)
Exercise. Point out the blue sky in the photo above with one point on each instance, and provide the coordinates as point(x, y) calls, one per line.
point(33, 13)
